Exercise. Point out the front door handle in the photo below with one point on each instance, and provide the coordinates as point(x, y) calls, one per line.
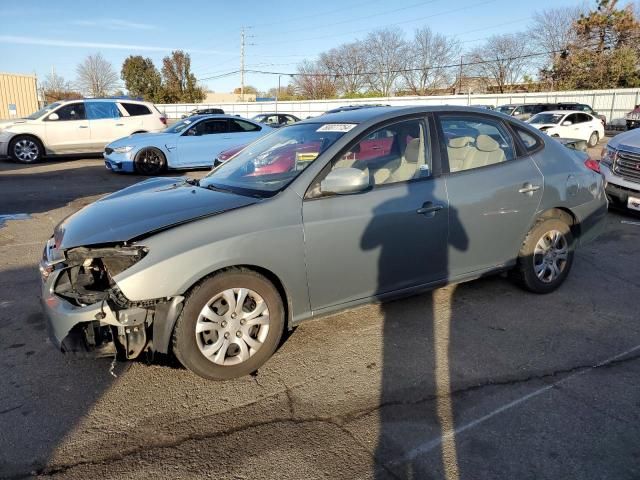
point(83, 126)
point(528, 189)
point(119, 124)
point(429, 209)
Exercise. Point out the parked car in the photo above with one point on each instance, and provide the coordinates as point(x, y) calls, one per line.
point(215, 270)
point(276, 120)
point(633, 118)
point(190, 143)
point(524, 111)
point(581, 107)
point(203, 111)
point(620, 166)
point(76, 126)
point(486, 107)
point(568, 124)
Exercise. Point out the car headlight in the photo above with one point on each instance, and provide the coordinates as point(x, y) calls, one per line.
point(126, 149)
point(609, 155)
point(114, 260)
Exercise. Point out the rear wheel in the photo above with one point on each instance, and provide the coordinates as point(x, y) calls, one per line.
point(546, 255)
point(25, 149)
point(150, 161)
point(593, 139)
point(230, 325)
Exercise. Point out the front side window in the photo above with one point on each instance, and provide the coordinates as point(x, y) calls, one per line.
point(72, 111)
point(475, 142)
point(270, 163)
point(392, 154)
point(506, 109)
point(101, 110)
point(287, 120)
point(573, 118)
point(208, 127)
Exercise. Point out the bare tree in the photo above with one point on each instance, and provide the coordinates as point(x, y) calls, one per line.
point(430, 53)
point(502, 61)
point(553, 31)
point(55, 87)
point(348, 63)
point(96, 76)
point(314, 82)
point(386, 57)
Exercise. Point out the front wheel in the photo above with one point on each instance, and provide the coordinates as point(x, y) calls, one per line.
point(546, 256)
point(230, 325)
point(593, 139)
point(150, 161)
point(25, 149)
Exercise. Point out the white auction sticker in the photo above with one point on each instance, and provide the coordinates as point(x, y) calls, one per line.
point(336, 127)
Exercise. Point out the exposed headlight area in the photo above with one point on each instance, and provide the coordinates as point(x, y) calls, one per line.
point(125, 149)
point(88, 273)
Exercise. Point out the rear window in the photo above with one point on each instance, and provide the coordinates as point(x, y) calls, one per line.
point(240, 126)
point(136, 109)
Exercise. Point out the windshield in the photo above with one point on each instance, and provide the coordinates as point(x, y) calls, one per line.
point(269, 164)
point(506, 109)
point(180, 126)
point(43, 111)
point(546, 118)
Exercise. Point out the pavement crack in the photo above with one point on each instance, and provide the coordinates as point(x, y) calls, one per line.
point(2, 412)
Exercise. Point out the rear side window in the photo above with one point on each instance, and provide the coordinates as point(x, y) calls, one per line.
point(241, 126)
point(530, 141)
point(476, 142)
point(136, 109)
point(102, 110)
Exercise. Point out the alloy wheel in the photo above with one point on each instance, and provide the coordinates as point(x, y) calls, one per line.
point(149, 162)
point(550, 256)
point(26, 150)
point(232, 326)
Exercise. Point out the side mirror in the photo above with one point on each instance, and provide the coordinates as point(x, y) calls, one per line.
point(343, 181)
point(53, 116)
point(567, 123)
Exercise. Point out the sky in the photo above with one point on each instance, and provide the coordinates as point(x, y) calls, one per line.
point(37, 36)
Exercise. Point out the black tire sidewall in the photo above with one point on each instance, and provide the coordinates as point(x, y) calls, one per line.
point(185, 346)
point(16, 139)
point(525, 258)
point(160, 169)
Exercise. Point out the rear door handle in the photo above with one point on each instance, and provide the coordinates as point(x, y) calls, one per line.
point(429, 209)
point(528, 189)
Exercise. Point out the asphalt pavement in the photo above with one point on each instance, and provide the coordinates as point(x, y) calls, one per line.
point(473, 381)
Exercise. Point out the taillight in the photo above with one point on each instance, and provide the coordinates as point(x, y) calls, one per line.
point(163, 119)
point(592, 165)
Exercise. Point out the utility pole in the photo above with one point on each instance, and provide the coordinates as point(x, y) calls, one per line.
point(242, 64)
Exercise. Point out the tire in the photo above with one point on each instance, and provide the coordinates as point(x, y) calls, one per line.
point(593, 139)
point(150, 161)
point(26, 149)
point(218, 344)
point(541, 272)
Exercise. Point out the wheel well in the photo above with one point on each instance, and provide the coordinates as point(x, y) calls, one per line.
point(30, 135)
point(269, 275)
point(139, 131)
point(567, 215)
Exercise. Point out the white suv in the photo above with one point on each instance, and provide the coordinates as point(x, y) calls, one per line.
point(76, 126)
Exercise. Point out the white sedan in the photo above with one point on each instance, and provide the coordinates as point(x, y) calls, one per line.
point(569, 124)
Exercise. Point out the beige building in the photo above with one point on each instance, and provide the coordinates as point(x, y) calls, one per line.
point(213, 97)
point(18, 95)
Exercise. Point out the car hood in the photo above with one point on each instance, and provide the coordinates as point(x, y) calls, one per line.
point(4, 124)
point(629, 140)
point(140, 139)
point(144, 208)
point(544, 125)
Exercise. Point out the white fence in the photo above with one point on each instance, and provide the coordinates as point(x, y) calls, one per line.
point(614, 104)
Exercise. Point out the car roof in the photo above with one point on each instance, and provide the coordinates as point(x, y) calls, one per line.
point(215, 115)
point(128, 100)
point(363, 115)
point(565, 112)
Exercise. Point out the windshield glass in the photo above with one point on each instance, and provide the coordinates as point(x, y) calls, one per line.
point(546, 118)
point(180, 126)
point(43, 111)
point(506, 109)
point(272, 162)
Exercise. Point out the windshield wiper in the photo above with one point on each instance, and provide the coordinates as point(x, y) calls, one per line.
point(244, 193)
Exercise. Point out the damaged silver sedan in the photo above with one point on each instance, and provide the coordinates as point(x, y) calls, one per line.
point(311, 219)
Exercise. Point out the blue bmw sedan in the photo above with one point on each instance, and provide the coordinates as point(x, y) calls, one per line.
point(190, 143)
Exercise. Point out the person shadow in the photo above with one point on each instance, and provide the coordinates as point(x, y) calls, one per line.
point(415, 397)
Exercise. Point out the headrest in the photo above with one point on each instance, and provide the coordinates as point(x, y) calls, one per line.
point(412, 152)
point(485, 143)
point(459, 142)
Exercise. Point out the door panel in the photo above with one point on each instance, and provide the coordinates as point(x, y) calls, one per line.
point(71, 132)
point(202, 142)
point(367, 244)
point(105, 123)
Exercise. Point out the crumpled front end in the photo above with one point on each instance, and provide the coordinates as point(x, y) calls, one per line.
point(86, 311)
